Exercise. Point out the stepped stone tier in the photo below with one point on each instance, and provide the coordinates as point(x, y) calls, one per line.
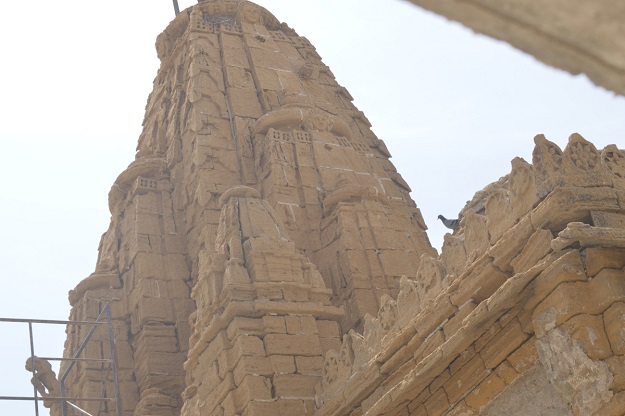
point(264, 257)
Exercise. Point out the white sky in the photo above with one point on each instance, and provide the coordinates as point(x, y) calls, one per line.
point(453, 108)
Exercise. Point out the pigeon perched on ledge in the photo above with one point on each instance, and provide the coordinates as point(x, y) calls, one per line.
point(451, 224)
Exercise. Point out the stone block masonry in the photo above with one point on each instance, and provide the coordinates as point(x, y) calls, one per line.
point(532, 323)
point(265, 258)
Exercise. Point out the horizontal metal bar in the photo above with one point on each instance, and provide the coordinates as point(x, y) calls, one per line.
point(48, 321)
point(59, 399)
point(97, 360)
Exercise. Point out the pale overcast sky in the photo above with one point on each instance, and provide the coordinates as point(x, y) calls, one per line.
point(453, 107)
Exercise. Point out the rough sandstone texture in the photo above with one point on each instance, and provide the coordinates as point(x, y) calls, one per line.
point(260, 220)
point(265, 258)
point(522, 313)
point(581, 37)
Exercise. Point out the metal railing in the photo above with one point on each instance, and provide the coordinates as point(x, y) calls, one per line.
point(103, 319)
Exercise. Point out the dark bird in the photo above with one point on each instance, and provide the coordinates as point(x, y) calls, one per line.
point(451, 224)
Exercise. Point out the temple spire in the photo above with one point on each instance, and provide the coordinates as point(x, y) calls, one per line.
point(314, 226)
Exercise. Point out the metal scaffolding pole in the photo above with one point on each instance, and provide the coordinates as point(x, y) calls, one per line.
point(104, 318)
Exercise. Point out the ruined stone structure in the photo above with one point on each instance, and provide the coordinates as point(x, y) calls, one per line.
point(265, 258)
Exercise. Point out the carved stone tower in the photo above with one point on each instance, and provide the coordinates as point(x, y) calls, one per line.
point(260, 221)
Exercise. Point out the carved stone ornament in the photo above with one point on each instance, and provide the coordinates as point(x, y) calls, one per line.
point(309, 71)
point(372, 334)
point(476, 239)
point(346, 354)
point(250, 13)
point(547, 158)
point(429, 278)
point(407, 300)
point(330, 369)
point(295, 117)
point(454, 256)
point(614, 159)
point(388, 313)
point(522, 187)
point(581, 155)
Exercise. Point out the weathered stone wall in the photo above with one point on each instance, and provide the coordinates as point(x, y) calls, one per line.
point(525, 301)
point(577, 36)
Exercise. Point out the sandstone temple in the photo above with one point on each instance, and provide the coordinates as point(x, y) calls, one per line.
point(265, 258)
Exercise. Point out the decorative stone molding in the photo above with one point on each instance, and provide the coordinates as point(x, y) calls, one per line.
point(437, 316)
point(308, 119)
point(145, 168)
point(589, 236)
point(613, 158)
point(352, 193)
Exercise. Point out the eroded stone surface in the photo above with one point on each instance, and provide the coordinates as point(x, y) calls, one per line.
point(533, 393)
point(473, 336)
point(580, 381)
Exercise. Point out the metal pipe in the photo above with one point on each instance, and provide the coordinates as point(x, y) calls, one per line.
point(71, 365)
point(176, 9)
point(63, 401)
point(79, 409)
point(82, 346)
point(97, 360)
point(113, 354)
point(60, 398)
point(47, 321)
point(112, 362)
point(104, 381)
point(32, 362)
